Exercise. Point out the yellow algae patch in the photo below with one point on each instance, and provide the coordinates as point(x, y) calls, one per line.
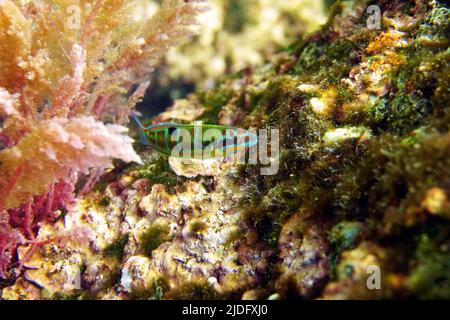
point(436, 201)
point(325, 103)
point(385, 40)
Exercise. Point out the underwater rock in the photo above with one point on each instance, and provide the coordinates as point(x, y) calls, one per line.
point(136, 275)
point(97, 276)
point(200, 248)
point(191, 168)
point(341, 134)
point(55, 271)
point(21, 290)
point(303, 251)
point(252, 295)
point(354, 275)
point(173, 240)
point(182, 110)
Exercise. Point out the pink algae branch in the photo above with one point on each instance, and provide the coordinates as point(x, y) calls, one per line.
point(70, 86)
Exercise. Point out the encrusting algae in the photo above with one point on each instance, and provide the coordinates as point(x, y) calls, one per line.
point(363, 183)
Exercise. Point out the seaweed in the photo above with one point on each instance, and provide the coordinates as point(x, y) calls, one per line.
point(153, 237)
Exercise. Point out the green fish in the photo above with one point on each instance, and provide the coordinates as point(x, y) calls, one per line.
point(199, 141)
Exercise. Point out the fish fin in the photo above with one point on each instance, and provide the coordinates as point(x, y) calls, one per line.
point(138, 121)
point(144, 138)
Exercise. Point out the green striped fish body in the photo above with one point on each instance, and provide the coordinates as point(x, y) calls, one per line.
point(196, 140)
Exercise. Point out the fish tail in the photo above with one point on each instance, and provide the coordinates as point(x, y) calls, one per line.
point(143, 138)
point(138, 121)
point(142, 135)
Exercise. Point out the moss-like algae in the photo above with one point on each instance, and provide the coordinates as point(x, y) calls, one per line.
point(381, 181)
point(155, 292)
point(115, 250)
point(196, 290)
point(158, 171)
point(155, 235)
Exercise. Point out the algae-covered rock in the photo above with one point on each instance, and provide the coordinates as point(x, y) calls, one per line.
point(303, 250)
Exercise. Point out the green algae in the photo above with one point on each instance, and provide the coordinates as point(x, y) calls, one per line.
point(363, 171)
point(79, 295)
point(153, 237)
point(155, 292)
point(158, 171)
point(196, 290)
point(115, 250)
point(104, 201)
point(430, 275)
point(344, 235)
point(213, 102)
point(198, 227)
